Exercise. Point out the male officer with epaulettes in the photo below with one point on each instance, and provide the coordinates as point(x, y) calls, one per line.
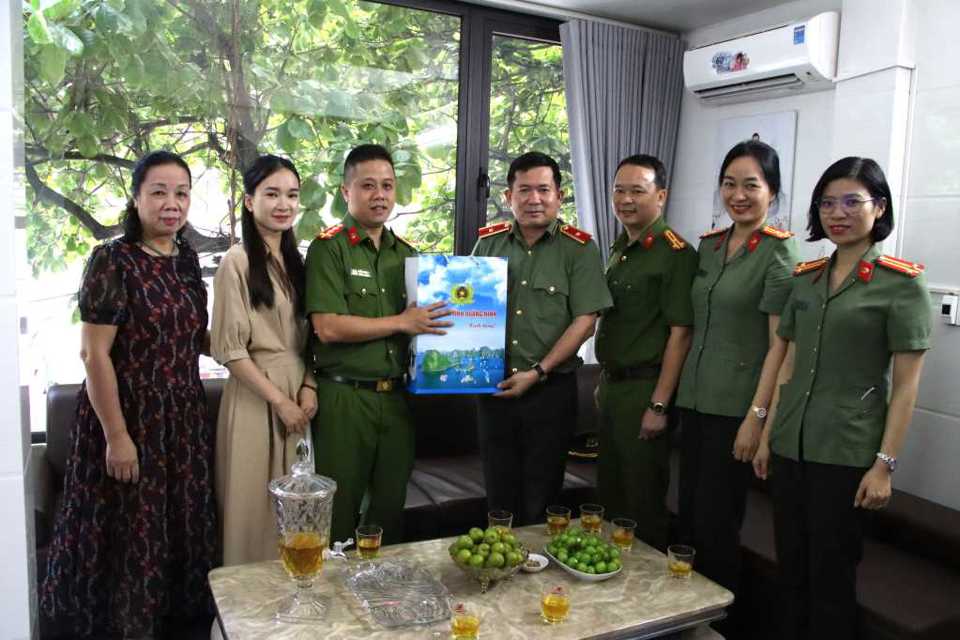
point(356, 301)
point(555, 291)
point(641, 343)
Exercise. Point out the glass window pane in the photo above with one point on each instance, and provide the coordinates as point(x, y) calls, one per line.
point(528, 112)
point(220, 83)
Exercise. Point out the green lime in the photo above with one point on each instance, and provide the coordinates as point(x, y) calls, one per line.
point(562, 555)
point(483, 549)
point(491, 536)
point(476, 534)
point(463, 556)
point(601, 567)
point(464, 542)
point(509, 538)
point(514, 558)
point(613, 565)
point(496, 560)
point(498, 547)
point(476, 560)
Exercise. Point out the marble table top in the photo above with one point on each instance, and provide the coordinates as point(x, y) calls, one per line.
point(642, 601)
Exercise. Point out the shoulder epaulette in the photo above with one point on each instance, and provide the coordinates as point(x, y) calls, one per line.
point(495, 228)
point(713, 232)
point(811, 265)
point(406, 242)
point(776, 233)
point(912, 269)
point(676, 242)
point(330, 232)
point(576, 234)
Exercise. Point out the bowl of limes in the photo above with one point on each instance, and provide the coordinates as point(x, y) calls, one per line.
point(585, 555)
point(488, 555)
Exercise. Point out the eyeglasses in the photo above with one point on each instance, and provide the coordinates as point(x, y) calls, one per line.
point(849, 204)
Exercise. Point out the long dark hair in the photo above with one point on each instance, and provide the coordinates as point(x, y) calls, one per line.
point(132, 227)
point(258, 278)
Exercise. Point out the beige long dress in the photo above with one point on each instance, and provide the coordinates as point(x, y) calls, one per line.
point(252, 447)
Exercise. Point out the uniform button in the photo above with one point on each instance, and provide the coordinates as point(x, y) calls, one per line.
point(623, 258)
point(513, 342)
point(389, 350)
point(519, 312)
point(514, 370)
point(382, 290)
point(552, 288)
point(529, 253)
point(814, 349)
point(403, 295)
point(813, 370)
point(807, 393)
point(523, 283)
point(628, 286)
point(363, 292)
point(824, 306)
point(616, 282)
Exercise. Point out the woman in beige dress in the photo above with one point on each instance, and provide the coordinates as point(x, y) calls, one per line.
point(259, 334)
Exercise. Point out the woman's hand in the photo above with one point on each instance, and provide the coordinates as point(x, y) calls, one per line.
point(761, 459)
point(748, 438)
point(307, 399)
point(291, 415)
point(875, 489)
point(121, 458)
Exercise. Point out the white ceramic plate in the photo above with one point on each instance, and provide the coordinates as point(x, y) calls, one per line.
point(541, 563)
point(589, 577)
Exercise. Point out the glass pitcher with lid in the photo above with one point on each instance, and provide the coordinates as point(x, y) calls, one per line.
point(303, 503)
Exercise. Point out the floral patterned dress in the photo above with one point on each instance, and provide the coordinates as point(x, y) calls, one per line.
point(124, 556)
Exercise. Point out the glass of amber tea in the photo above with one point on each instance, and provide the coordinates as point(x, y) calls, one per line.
point(500, 519)
point(368, 541)
point(554, 604)
point(558, 519)
point(623, 532)
point(591, 518)
point(680, 560)
point(303, 503)
point(464, 622)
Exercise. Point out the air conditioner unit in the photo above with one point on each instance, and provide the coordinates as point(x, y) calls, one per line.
point(792, 58)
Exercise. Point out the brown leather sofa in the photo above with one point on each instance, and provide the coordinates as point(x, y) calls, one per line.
point(908, 584)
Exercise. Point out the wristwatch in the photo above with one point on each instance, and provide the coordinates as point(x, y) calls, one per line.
point(540, 372)
point(890, 461)
point(658, 408)
point(760, 412)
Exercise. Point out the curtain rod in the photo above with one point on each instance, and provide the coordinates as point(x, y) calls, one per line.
point(538, 8)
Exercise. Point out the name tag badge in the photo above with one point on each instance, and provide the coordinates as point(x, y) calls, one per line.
point(363, 273)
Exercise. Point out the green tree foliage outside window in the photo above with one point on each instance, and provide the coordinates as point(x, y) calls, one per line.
point(223, 81)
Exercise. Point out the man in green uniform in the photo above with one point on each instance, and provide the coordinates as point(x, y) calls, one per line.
point(356, 301)
point(555, 290)
point(642, 343)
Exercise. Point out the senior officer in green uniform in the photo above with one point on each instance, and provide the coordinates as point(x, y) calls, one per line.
point(641, 343)
point(841, 417)
point(362, 432)
point(555, 290)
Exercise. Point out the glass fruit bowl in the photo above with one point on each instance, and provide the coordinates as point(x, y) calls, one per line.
point(488, 562)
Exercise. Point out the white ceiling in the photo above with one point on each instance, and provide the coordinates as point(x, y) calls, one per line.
point(670, 15)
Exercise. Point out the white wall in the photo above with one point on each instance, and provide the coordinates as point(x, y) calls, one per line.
point(898, 101)
point(17, 600)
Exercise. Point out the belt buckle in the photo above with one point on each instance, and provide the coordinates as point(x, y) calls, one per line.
point(384, 386)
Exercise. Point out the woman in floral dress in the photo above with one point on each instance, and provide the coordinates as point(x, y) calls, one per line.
point(137, 532)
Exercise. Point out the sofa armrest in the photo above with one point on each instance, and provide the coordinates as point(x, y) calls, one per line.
point(44, 484)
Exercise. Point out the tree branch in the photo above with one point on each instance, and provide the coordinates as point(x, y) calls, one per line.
point(48, 195)
point(44, 156)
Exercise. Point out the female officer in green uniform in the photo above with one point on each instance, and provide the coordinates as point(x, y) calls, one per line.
point(835, 436)
point(738, 293)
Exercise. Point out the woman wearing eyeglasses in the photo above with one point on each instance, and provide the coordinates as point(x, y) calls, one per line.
point(841, 418)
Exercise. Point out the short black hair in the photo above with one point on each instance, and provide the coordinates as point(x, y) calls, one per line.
point(650, 162)
point(532, 160)
point(365, 153)
point(765, 155)
point(130, 221)
point(868, 173)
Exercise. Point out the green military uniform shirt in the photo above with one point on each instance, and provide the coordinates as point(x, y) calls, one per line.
point(732, 300)
point(833, 409)
point(549, 284)
point(347, 275)
point(649, 280)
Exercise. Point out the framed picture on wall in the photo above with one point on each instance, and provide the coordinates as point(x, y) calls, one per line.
point(779, 130)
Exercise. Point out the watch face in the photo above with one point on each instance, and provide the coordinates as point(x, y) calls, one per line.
point(658, 408)
point(760, 412)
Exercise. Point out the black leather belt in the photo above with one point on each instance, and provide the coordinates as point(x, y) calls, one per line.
point(631, 373)
point(383, 385)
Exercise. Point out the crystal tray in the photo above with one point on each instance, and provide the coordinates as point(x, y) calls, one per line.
point(397, 594)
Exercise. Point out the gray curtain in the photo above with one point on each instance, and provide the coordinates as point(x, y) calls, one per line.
point(623, 89)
